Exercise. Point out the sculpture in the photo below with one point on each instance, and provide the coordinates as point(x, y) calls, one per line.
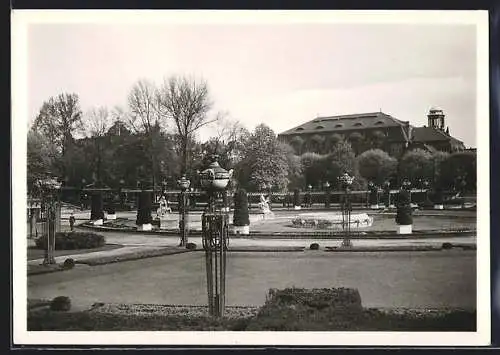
point(264, 204)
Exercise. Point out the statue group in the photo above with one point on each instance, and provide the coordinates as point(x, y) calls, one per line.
point(264, 206)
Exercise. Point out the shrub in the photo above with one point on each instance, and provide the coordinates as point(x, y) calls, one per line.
point(373, 194)
point(296, 197)
point(96, 211)
point(404, 211)
point(437, 196)
point(69, 263)
point(60, 303)
point(328, 196)
point(446, 246)
point(191, 246)
point(240, 215)
point(73, 240)
point(314, 246)
point(306, 309)
point(144, 208)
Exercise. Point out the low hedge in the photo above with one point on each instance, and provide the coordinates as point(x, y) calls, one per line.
point(73, 240)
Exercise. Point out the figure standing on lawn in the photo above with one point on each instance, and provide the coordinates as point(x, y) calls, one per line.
point(72, 222)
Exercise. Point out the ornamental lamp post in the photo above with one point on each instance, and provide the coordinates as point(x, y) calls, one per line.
point(183, 183)
point(49, 189)
point(345, 182)
point(387, 189)
point(309, 196)
point(215, 235)
point(327, 194)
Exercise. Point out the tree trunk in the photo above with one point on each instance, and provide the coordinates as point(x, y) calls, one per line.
point(184, 155)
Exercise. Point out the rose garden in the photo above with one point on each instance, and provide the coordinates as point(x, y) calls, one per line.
point(152, 230)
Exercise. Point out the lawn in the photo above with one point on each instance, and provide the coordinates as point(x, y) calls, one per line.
point(35, 253)
point(396, 279)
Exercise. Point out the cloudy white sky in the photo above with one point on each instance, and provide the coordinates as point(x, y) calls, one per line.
point(280, 74)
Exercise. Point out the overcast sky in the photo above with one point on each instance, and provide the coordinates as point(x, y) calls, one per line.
point(280, 74)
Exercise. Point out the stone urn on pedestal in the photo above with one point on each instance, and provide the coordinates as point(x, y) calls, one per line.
point(404, 217)
point(241, 220)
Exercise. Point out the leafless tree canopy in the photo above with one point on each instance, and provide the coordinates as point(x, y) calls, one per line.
point(97, 122)
point(143, 107)
point(186, 102)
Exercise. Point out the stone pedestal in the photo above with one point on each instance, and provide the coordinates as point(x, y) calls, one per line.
point(97, 222)
point(145, 227)
point(244, 230)
point(111, 217)
point(405, 229)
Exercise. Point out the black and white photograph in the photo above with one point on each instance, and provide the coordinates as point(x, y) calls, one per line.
point(250, 177)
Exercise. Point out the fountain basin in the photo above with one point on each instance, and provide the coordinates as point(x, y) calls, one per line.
point(329, 220)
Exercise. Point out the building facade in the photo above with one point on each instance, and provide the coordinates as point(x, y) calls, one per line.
point(371, 131)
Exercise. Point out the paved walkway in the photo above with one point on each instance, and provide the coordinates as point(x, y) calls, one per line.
point(135, 242)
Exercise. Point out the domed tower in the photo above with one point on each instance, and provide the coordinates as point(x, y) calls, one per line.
point(436, 118)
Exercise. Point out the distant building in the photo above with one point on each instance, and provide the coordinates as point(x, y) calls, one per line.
point(372, 130)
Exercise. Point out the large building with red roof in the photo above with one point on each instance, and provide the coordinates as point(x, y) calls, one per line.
point(372, 130)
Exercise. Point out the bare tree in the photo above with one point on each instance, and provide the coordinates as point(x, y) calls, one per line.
point(144, 117)
point(96, 123)
point(186, 102)
point(228, 140)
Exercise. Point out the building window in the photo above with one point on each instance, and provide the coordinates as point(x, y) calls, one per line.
point(357, 124)
point(320, 127)
point(379, 123)
point(299, 129)
point(339, 125)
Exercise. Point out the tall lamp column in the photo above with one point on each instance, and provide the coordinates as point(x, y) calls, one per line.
point(49, 189)
point(346, 182)
point(215, 236)
point(183, 223)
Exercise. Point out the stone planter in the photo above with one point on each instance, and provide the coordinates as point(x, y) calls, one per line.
point(439, 207)
point(405, 229)
point(97, 222)
point(145, 227)
point(111, 217)
point(244, 230)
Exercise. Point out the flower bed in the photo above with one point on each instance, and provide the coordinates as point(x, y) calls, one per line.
point(73, 241)
point(132, 256)
point(285, 310)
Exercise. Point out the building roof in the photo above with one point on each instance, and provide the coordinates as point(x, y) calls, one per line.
point(346, 122)
point(429, 134)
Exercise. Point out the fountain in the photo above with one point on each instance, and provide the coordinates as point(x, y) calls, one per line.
point(329, 220)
